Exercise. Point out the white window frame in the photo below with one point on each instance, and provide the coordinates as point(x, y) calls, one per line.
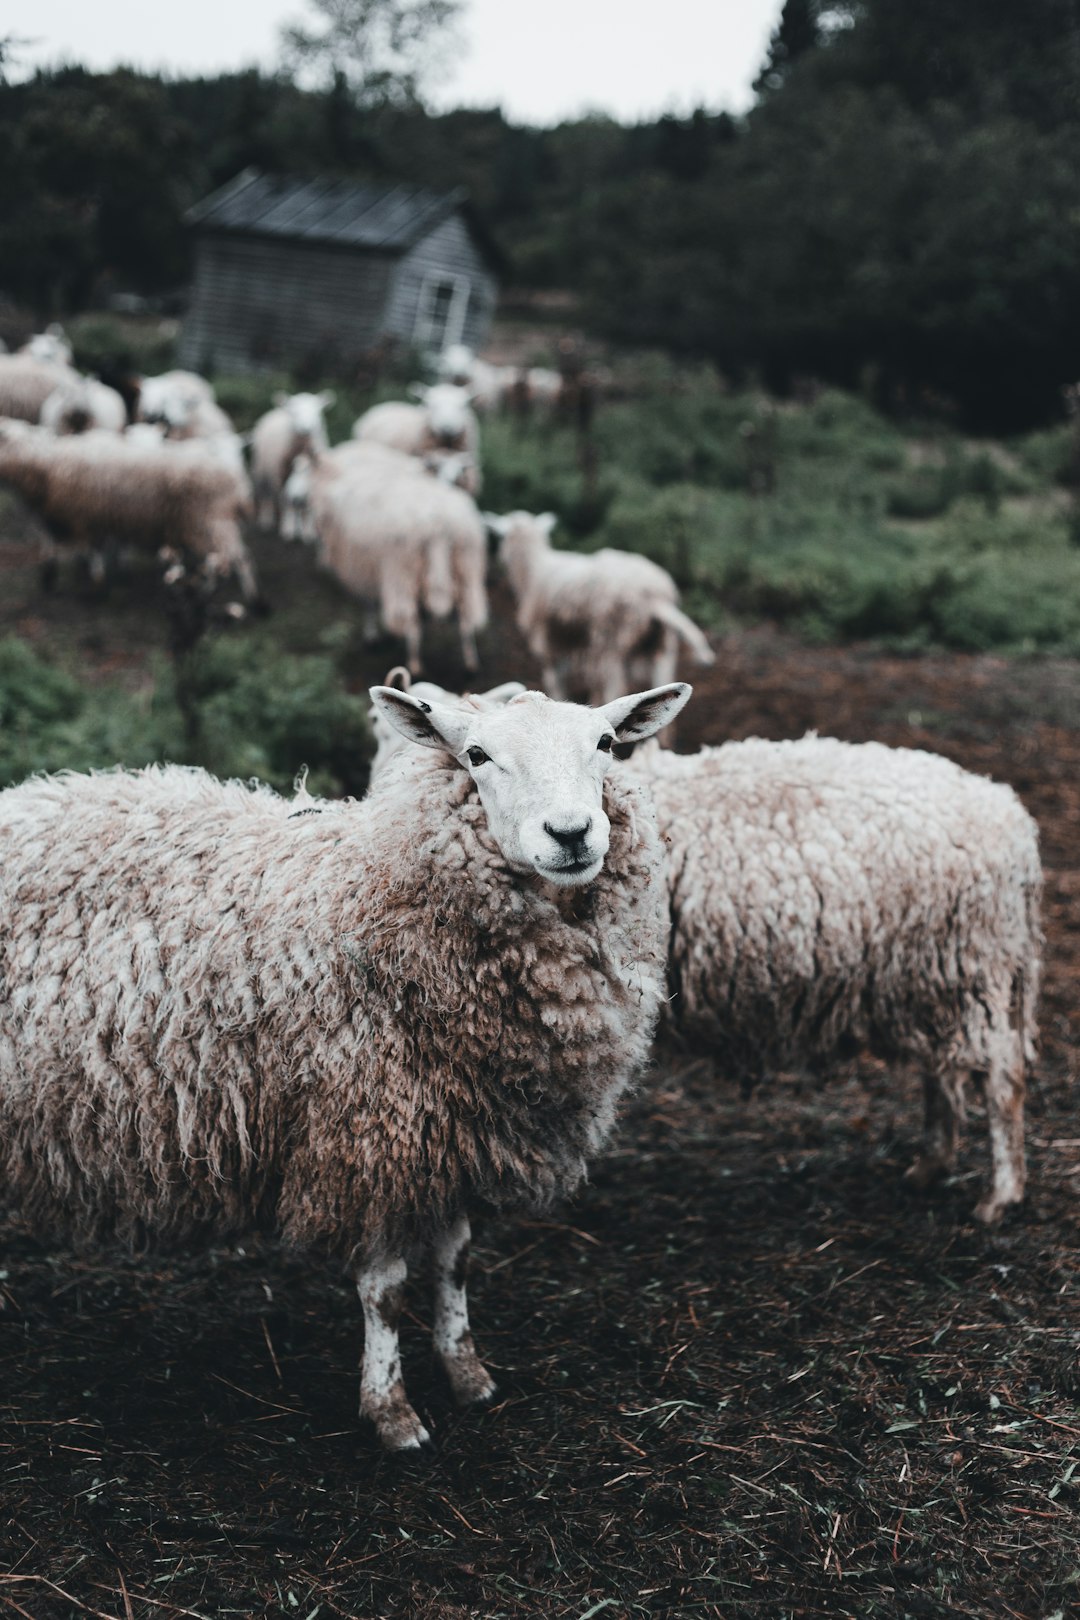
point(424, 334)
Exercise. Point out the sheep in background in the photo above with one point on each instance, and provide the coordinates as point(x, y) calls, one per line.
point(82, 403)
point(455, 364)
point(95, 488)
point(822, 891)
point(171, 390)
point(52, 346)
point(592, 619)
point(26, 383)
point(294, 427)
point(442, 421)
point(401, 542)
point(348, 1023)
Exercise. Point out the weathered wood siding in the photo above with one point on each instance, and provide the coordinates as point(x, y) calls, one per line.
point(259, 303)
point(447, 250)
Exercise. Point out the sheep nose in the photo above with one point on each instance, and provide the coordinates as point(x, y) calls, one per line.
point(568, 836)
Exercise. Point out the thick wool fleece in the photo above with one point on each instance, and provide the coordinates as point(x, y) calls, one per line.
point(345, 1022)
point(823, 890)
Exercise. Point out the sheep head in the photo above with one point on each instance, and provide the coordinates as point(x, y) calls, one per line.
point(538, 766)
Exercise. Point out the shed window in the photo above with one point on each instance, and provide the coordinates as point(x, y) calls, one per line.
point(441, 312)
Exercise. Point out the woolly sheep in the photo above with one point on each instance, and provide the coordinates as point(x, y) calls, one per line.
point(592, 619)
point(171, 390)
point(26, 383)
point(82, 403)
point(98, 487)
point(823, 890)
point(294, 427)
point(442, 421)
point(401, 542)
point(350, 1022)
point(52, 345)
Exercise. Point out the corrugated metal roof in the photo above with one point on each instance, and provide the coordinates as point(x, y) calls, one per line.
point(352, 214)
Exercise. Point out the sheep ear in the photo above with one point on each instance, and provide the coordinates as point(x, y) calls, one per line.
point(641, 714)
point(433, 725)
point(399, 678)
point(503, 693)
point(497, 525)
point(547, 522)
point(417, 391)
point(327, 398)
point(279, 397)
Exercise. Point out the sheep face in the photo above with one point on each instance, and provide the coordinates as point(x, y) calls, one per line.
point(305, 413)
point(539, 768)
point(390, 741)
point(447, 407)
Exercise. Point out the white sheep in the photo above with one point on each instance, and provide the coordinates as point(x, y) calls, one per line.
point(592, 619)
point(94, 488)
point(52, 345)
point(82, 403)
point(349, 1022)
point(822, 891)
point(26, 383)
point(294, 427)
point(442, 421)
point(171, 391)
point(401, 542)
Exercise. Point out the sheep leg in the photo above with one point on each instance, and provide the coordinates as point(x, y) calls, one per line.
point(469, 1378)
point(469, 654)
point(382, 1391)
point(1004, 1091)
point(944, 1101)
point(412, 648)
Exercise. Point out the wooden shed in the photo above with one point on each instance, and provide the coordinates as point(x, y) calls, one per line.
point(319, 272)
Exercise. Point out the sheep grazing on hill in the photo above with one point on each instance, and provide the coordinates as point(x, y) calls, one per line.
point(442, 421)
point(402, 542)
point(591, 620)
point(294, 427)
point(83, 403)
point(26, 383)
point(96, 488)
point(823, 891)
point(350, 1024)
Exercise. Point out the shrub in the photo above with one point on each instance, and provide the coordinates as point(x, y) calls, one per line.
point(262, 714)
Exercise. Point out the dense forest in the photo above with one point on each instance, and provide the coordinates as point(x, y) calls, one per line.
point(899, 210)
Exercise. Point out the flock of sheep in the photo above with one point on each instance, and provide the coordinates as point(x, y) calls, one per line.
point(352, 1022)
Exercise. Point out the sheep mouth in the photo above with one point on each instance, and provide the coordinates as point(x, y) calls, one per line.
point(571, 873)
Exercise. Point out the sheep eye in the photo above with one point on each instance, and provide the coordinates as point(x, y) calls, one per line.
point(604, 744)
point(476, 756)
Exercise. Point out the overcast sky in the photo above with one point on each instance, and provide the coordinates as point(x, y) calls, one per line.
point(542, 60)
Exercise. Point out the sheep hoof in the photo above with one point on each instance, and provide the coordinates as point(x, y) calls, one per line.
point(992, 1206)
point(472, 1384)
point(396, 1424)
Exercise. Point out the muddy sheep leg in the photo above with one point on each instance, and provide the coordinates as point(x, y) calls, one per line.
point(383, 1400)
point(469, 1379)
point(1004, 1091)
point(943, 1093)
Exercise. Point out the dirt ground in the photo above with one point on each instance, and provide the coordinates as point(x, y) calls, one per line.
point(748, 1372)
